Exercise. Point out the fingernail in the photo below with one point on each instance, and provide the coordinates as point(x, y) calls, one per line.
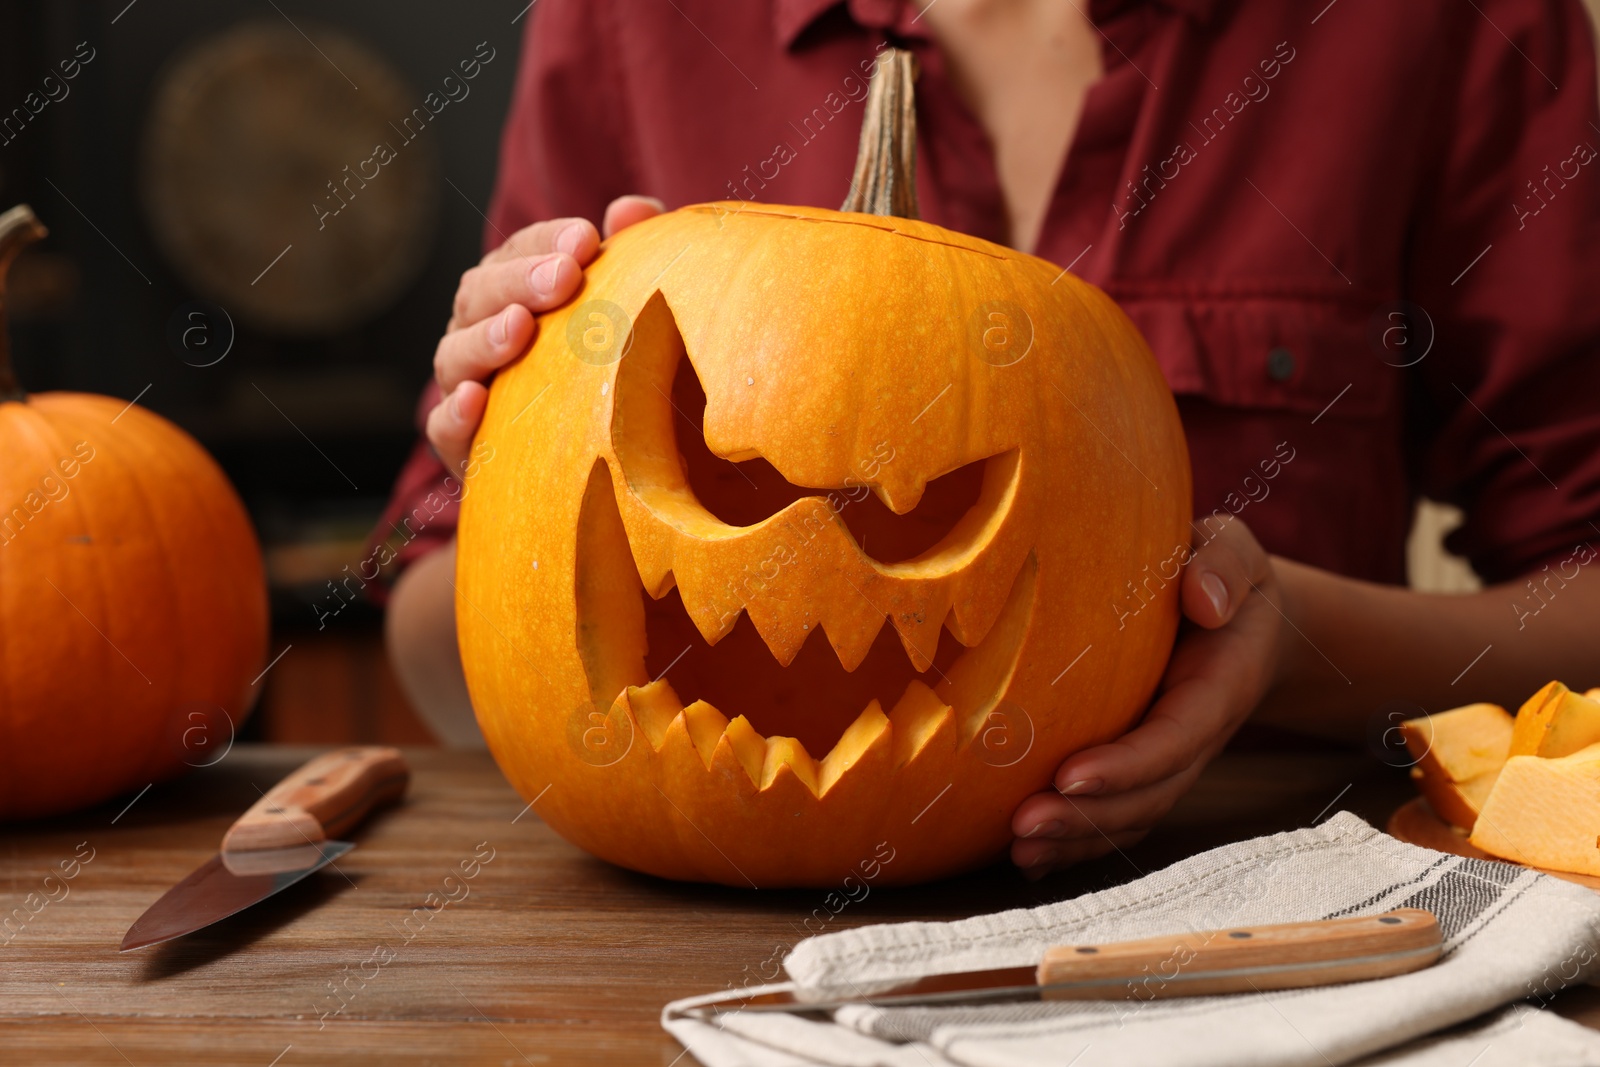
point(499, 328)
point(567, 240)
point(1047, 829)
point(1081, 786)
point(543, 277)
point(1045, 858)
point(454, 401)
point(1216, 591)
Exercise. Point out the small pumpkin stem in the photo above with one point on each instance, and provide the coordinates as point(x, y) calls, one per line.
point(18, 229)
point(885, 182)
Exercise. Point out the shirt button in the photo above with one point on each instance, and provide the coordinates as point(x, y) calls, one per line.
point(1280, 364)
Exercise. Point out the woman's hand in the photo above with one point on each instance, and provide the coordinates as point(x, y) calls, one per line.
point(492, 323)
point(1110, 796)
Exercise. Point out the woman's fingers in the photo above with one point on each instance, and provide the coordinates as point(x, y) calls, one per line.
point(571, 236)
point(624, 211)
point(1056, 831)
point(537, 269)
point(1177, 730)
point(476, 352)
point(538, 284)
point(539, 266)
point(1222, 574)
point(464, 360)
point(453, 422)
point(1055, 816)
point(1214, 680)
point(574, 236)
point(1218, 673)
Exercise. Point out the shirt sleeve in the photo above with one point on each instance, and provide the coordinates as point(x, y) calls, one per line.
point(1505, 267)
point(564, 151)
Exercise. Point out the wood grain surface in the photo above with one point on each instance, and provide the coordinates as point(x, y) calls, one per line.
point(532, 951)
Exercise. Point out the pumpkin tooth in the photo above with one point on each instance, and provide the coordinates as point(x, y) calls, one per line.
point(706, 726)
point(653, 706)
point(978, 598)
point(921, 721)
point(976, 680)
point(655, 570)
point(900, 495)
point(659, 583)
point(740, 750)
point(851, 641)
point(919, 629)
point(782, 633)
point(786, 752)
point(870, 729)
point(677, 757)
point(851, 622)
point(652, 551)
point(712, 620)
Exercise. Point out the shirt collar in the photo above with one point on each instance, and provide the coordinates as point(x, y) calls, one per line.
point(791, 17)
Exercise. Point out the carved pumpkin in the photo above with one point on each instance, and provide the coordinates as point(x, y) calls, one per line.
point(133, 610)
point(807, 543)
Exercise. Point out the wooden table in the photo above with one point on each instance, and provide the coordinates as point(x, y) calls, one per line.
point(544, 956)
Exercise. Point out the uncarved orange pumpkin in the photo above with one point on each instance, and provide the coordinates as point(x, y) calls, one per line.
point(805, 544)
point(133, 607)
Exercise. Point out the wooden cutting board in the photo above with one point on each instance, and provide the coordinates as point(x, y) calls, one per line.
point(1415, 823)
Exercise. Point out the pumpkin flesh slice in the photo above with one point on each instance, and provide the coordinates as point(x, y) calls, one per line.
point(1459, 753)
point(1462, 743)
point(1555, 722)
point(1545, 812)
point(1457, 803)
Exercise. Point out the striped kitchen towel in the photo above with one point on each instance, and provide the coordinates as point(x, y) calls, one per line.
point(1512, 938)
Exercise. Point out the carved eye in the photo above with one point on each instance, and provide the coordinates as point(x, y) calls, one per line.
point(747, 492)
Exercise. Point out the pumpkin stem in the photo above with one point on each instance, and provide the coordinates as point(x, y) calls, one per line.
point(18, 229)
point(885, 181)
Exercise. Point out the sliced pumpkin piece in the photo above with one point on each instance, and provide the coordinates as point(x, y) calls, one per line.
point(1555, 722)
point(1457, 803)
point(1460, 744)
point(1545, 812)
point(1459, 753)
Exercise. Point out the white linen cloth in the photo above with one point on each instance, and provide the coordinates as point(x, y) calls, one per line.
point(1510, 934)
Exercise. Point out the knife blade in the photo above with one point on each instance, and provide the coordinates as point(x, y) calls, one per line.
point(1204, 963)
point(283, 838)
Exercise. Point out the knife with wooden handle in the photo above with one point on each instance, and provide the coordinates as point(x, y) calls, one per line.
point(324, 798)
point(284, 837)
point(1241, 959)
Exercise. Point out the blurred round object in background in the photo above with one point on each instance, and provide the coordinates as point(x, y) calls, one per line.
point(291, 178)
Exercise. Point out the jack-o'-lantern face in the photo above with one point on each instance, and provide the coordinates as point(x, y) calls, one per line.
point(803, 538)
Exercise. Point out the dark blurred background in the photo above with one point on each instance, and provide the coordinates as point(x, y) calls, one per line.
point(176, 148)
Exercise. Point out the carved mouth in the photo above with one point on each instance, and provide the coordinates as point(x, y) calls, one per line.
point(648, 660)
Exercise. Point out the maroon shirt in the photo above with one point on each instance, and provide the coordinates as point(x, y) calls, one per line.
point(1257, 182)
